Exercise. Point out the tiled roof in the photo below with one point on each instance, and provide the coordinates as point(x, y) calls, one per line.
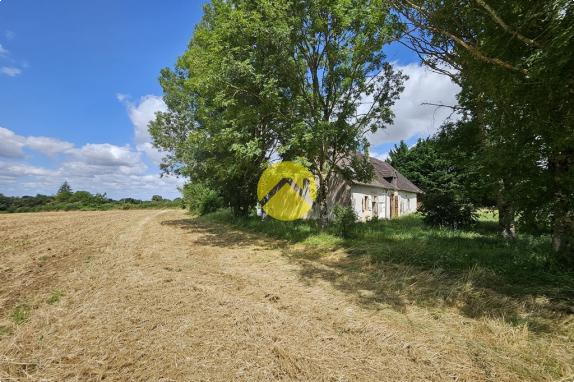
point(387, 177)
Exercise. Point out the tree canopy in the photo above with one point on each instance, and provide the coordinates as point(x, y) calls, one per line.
point(302, 80)
point(512, 60)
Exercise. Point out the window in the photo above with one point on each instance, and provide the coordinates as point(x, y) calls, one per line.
point(382, 206)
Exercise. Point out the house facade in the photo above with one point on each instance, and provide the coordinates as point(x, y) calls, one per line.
point(388, 195)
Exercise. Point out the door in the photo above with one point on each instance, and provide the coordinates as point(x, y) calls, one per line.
point(394, 206)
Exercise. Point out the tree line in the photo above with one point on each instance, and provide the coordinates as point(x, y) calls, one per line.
point(66, 199)
point(308, 80)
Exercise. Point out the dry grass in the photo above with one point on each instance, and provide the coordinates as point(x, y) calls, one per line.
point(151, 295)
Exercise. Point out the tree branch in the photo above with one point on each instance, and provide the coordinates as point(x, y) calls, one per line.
point(497, 19)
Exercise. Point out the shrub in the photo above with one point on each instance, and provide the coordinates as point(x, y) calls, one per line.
point(201, 199)
point(344, 219)
point(448, 210)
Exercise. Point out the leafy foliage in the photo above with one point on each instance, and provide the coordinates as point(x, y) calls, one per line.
point(511, 63)
point(201, 199)
point(280, 79)
point(344, 220)
point(427, 167)
point(226, 101)
point(447, 201)
point(448, 210)
point(79, 200)
point(156, 198)
point(64, 192)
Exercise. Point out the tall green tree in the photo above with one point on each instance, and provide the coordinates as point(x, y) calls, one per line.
point(427, 166)
point(226, 99)
point(342, 84)
point(301, 80)
point(64, 192)
point(513, 63)
point(399, 155)
point(446, 201)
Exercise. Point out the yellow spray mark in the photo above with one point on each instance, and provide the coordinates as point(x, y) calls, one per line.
point(286, 191)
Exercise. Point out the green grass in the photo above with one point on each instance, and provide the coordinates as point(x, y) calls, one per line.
point(21, 313)
point(406, 260)
point(5, 331)
point(55, 297)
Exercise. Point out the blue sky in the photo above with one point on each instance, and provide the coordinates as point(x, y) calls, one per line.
point(78, 85)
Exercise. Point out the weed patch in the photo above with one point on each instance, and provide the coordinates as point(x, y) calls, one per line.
point(21, 313)
point(55, 297)
point(5, 331)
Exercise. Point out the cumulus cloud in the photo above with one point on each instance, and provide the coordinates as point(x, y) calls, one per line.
point(12, 170)
point(92, 161)
point(412, 118)
point(96, 167)
point(47, 145)
point(141, 114)
point(105, 154)
point(10, 71)
point(11, 144)
point(117, 170)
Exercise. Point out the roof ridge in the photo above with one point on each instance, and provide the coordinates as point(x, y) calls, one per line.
point(399, 181)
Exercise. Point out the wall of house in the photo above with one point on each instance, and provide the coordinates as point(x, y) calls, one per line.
point(354, 195)
point(407, 202)
point(369, 202)
point(339, 193)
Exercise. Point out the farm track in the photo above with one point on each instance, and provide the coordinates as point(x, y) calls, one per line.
point(152, 295)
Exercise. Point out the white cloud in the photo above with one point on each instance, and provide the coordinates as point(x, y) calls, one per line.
point(141, 114)
point(381, 156)
point(105, 154)
point(11, 144)
point(23, 179)
point(13, 170)
point(81, 169)
point(3, 51)
point(47, 145)
point(411, 117)
point(10, 71)
point(117, 170)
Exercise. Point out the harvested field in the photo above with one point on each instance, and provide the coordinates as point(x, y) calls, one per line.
point(154, 295)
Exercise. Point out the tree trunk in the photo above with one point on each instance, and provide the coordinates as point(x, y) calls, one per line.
point(322, 203)
point(506, 214)
point(563, 235)
point(563, 219)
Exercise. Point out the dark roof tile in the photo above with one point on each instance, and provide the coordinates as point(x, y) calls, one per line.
point(387, 177)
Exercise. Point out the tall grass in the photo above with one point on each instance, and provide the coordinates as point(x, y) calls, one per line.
point(520, 267)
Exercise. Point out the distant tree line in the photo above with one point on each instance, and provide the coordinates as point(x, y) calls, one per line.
point(66, 199)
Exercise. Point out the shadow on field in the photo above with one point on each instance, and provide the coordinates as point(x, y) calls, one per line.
point(402, 262)
point(221, 235)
